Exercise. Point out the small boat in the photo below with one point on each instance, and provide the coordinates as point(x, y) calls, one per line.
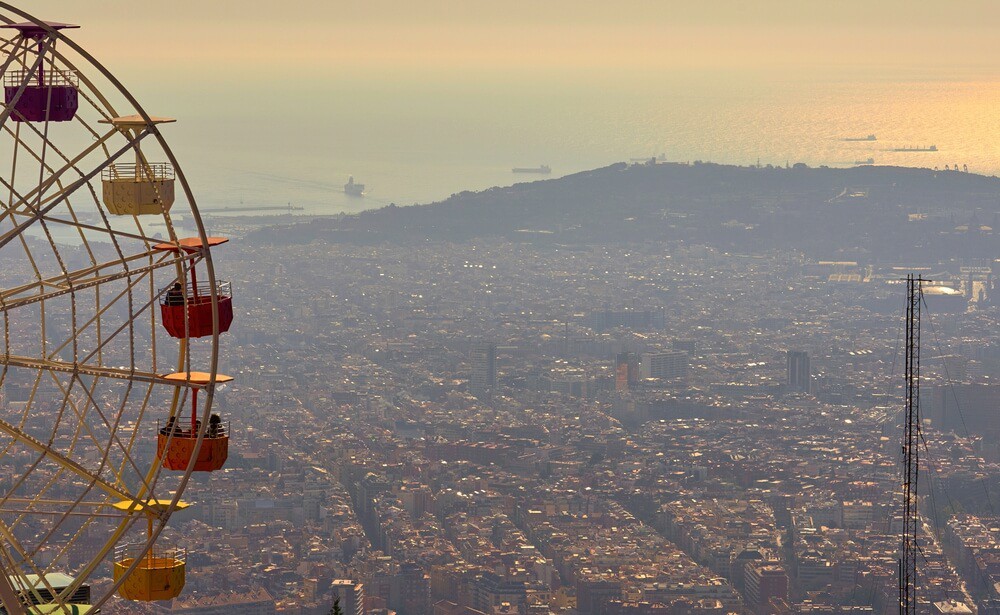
point(544, 169)
point(868, 138)
point(353, 189)
point(932, 148)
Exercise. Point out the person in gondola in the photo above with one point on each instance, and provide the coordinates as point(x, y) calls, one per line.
point(214, 426)
point(170, 427)
point(175, 296)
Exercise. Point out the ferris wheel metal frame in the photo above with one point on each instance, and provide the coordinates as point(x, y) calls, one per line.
point(99, 381)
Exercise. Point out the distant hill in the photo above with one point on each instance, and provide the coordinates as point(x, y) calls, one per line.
point(875, 212)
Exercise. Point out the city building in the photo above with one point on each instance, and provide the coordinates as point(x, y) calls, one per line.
point(411, 590)
point(594, 594)
point(254, 602)
point(351, 595)
point(621, 372)
point(483, 380)
point(57, 580)
point(799, 376)
point(492, 590)
point(628, 319)
point(765, 583)
point(667, 365)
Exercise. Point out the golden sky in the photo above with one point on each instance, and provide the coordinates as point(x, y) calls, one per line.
point(336, 36)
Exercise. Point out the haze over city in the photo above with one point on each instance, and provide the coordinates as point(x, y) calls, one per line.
point(518, 308)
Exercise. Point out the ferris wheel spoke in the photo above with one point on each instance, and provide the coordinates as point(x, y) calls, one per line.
point(100, 371)
point(131, 316)
point(33, 512)
point(30, 469)
point(60, 513)
point(48, 452)
point(81, 416)
point(26, 561)
point(8, 44)
point(7, 595)
point(134, 278)
point(137, 276)
point(112, 428)
point(57, 502)
point(13, 542)
point(127, 460)
point(72, 444)
point(82, 279)
point(75, 165)
point(22, 240)
point(65, 281)
point(14, 55)
point(35, 214)
point(107, 339)
point(98, 229)
point(89, 370)
point(55, 175)
point(46, 183)
point(96, 318)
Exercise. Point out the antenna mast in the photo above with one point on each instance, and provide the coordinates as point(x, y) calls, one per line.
point(911, 450)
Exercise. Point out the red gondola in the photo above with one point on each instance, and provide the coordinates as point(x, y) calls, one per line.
point(194, 300)
point(197, 300)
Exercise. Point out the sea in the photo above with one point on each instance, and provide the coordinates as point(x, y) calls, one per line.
point(284, 147)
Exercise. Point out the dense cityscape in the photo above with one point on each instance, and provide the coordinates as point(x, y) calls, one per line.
point(496, 427)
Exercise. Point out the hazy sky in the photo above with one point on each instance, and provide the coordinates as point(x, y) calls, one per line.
point(324, 36)
point(282, 101)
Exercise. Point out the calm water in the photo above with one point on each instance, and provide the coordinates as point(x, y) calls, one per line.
point(419, 140)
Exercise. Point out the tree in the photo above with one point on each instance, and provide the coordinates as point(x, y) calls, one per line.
point(336, 607)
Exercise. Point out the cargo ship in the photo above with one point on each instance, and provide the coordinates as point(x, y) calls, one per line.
point(932, 148)
point(868, 138)
point(544, 169)
point(353, 189)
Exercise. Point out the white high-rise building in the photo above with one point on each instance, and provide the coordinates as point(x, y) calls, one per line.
point(483, 380)
point(666, 365)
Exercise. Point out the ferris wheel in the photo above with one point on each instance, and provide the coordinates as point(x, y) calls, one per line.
point(111, 317)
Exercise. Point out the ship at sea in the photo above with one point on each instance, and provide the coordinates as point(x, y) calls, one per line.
point(868, 138)
point(353, 189)
point(932, 148)
point(544, 169)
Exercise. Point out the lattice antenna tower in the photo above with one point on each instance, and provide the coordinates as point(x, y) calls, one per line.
point(910, 548)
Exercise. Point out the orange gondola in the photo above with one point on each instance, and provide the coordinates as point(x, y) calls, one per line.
point(176, 443)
